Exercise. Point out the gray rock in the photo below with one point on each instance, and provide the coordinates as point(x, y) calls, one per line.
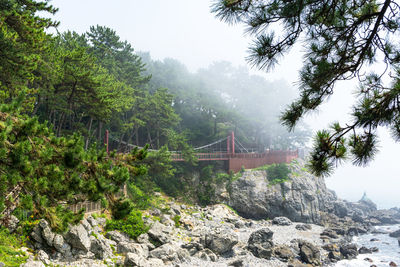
point(395, 234)
point(284, 253)
point(309, 253)
point(193, 247)
point(330, 233)
point(100, 248)
point(61, 246)
point(33, 264)
point(43, 257)
point(207, 255)
point(281, 221)
point(78, 238)
point(334, 256)
point(349, 251)
point(11, 223)
point(303, 227)
point(138, 249)
point(37, 234)
point(2, 264)
point(260, 243)
point(133, 259)
point(157, 233)
point(154, 263)
point(163, 252)
point(92, 221)
point(364, 250)
point(47, 234)
point(117, 236)
point(101, 221)
point(302, 199)
point(220, 240)
point(236, 263)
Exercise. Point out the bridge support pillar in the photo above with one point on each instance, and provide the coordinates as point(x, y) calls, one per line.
point(233, 143)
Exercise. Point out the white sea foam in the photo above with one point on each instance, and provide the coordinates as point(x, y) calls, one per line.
point(389, 249)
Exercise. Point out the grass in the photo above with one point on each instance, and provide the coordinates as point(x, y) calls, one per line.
point(10, 245)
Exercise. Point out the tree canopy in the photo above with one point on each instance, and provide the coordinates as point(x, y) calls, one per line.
point(342, 39)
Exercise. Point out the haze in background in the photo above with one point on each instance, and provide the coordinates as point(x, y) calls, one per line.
point(187, 31)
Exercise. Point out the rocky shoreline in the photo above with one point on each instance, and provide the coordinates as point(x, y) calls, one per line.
point(210, 236)
point(296, 223)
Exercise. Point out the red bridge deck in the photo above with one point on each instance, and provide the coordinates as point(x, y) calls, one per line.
point(247, 160)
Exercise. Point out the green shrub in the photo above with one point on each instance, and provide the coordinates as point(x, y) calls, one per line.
point(132, 225)
point(278, 173)
point(121, 209)
point(10, 245)
point(177, 219)
point(138, 197)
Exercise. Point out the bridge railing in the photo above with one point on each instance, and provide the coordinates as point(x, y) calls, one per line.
point(202, 156)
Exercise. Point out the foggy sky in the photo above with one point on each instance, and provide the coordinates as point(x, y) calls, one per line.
point(187, 31)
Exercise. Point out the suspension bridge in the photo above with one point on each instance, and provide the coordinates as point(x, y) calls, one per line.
point(228, 149)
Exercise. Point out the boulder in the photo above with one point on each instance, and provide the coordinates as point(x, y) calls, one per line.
point(33, 264)
point(43, 257)
point(309, 253)
point(334, 256)
point(364, 250)
point(206, 254)
point(220, 240)
point(281, 221)
point(163, 252)
point(157, 233)
point(100, 248)
point(193, 247)
point(47, 234)
point(303, 227)
point(329, 233)
point(395, 234)
point(260, 243)
point(284, 253)
point(61, 246)
point(128, 247)
point(133, 259)
point(78, 238)
point(12, 223)
point(349, 251)
point(374, 249)
point(117, 236)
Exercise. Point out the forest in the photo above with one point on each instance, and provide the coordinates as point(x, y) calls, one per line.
point(61, 92)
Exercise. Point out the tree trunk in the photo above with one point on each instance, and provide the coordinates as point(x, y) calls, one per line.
point(137, 135)
point(100, 129)
point(149, 138)
point(120, 142)
point(61, 123)
point(215, 126)
point(88, 134)
point(158, 139)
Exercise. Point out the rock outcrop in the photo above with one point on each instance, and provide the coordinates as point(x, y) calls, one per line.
point(301, 199)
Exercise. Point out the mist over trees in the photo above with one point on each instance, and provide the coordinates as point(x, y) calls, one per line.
point(223, 98)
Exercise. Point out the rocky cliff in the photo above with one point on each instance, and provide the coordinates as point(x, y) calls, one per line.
point(303, 198)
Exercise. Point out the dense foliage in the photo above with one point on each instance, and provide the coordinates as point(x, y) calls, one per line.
point(61, 92)
point(10, 253)
point(343, 39)
point(48, 171)
point(132, 224)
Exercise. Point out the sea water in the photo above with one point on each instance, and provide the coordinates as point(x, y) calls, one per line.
point(389, 249)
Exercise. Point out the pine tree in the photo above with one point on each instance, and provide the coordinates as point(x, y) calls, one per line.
point(342, 39)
